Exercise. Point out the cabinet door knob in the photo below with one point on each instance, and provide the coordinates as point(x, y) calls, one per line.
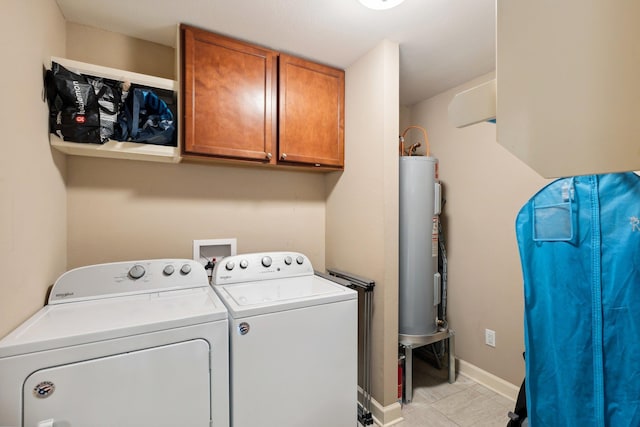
point(284, 156)
point(268, 156)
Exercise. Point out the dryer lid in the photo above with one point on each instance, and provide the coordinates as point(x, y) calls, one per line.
point(63, 325)
point(98, 312)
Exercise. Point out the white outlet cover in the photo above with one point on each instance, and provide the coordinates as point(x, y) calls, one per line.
point(490, 337)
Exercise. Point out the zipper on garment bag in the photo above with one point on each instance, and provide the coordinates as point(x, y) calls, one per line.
point(596, 304)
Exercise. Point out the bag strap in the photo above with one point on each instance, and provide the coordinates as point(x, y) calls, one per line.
point(137, 93)
point(51, 90)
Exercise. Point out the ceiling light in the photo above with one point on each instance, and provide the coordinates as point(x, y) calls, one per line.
point(380, 4)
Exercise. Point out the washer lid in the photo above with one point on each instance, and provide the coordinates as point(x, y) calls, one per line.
point(63, 325)
point(269, 296)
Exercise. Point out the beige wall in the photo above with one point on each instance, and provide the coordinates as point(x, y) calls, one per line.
point(119, 51)
point(123, 210)
point(484, 186)
point(362, 203)
point(32, 192)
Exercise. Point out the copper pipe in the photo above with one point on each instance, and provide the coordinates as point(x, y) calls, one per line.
point(426, 140)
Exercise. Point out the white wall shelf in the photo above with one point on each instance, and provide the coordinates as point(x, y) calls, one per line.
point(116, 149)
point(474, 105)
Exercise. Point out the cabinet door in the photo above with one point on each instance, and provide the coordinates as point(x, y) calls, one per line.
point(311, 113)
point(229, 97)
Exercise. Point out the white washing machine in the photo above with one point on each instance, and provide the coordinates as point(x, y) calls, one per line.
point(125, 344)
point(293, 342)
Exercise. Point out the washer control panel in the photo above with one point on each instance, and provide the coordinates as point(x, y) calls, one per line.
point(261, 266)
point(122, 278)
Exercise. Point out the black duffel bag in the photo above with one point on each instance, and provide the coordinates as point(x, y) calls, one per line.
point(81, 108)
point(74, 113)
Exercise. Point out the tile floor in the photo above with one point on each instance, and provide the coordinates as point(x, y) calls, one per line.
point(436, 403)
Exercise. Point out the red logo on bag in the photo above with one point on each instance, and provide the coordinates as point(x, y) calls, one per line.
point(80, 119)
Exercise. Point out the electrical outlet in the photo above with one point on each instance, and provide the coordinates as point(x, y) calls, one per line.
point(490, 337)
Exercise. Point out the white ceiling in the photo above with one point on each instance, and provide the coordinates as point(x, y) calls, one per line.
point(442, 42)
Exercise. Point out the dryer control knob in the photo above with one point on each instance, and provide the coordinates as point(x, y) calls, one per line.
point(186, 269)
point(244, 264)
point(168, 270)
point(230, 265)
point(299, 260)
point(287, 260)
point(266, 261)
point(136, 272)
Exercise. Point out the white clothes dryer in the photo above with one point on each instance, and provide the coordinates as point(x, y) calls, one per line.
point(125, 344)
point(293, 342)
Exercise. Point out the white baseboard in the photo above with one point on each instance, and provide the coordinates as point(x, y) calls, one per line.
point(487, 379)
point(384, 416)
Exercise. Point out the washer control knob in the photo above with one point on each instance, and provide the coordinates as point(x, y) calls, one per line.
point(185, 269)
point(244, 264)
point(299, 260)
point(230, 265)
point(136, 272)
point(168, 270)
point(287, 260)
point(266, 261)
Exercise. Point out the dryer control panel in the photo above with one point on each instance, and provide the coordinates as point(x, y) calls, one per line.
point(127, 278)
point(261, 266)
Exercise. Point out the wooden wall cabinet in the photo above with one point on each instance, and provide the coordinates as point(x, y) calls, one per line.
point(229, 95)
point(311, 113)
point(238, 106)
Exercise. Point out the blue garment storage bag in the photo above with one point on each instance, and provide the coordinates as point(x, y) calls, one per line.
point(579, 243)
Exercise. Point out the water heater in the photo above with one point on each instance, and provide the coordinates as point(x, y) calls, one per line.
point(419, 278)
